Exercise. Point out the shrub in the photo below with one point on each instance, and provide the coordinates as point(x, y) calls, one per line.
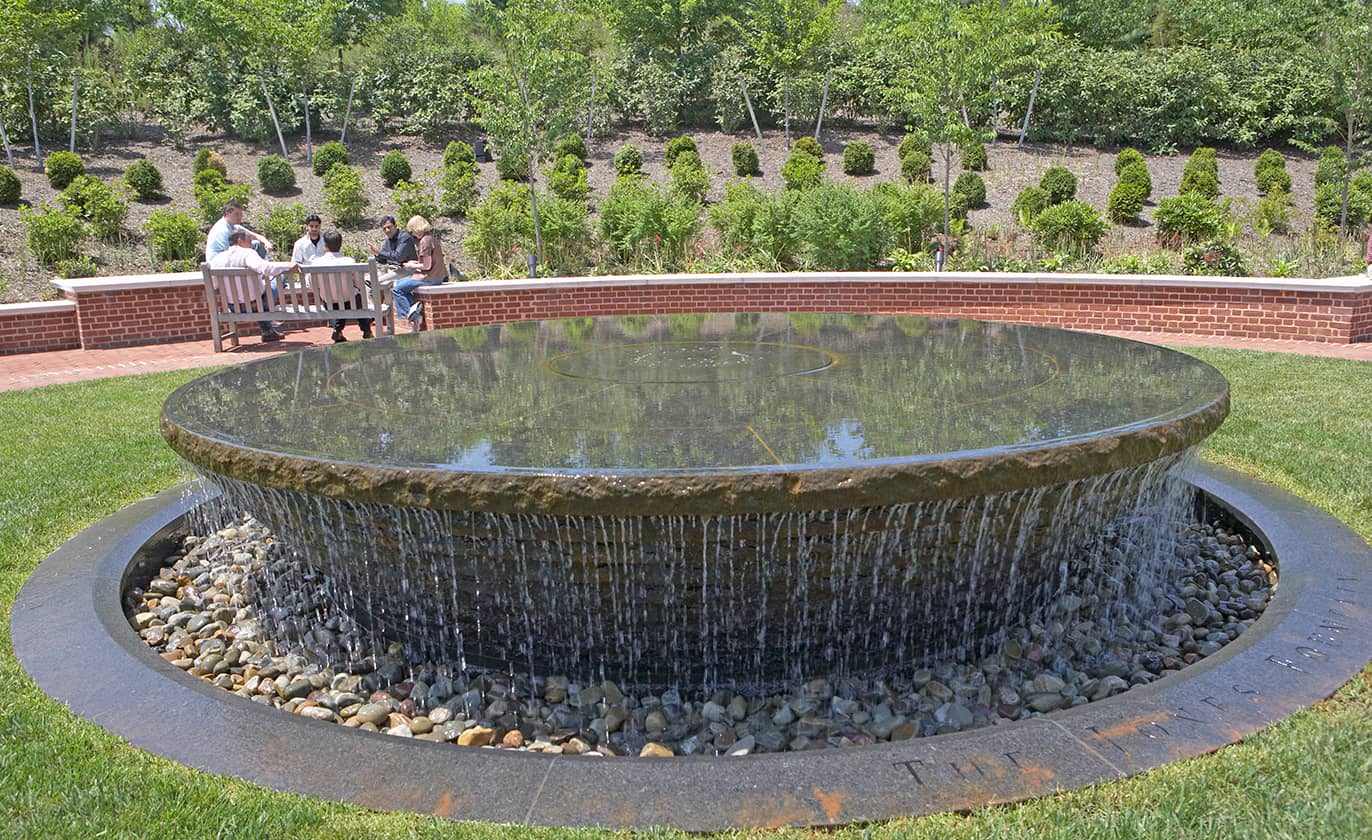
point(1189, 217)
point(328, 156)
point(1069, 226)
point(394, 169)
point(62, 168)
point(212, 192)
point(1269, 159)
point(344, 194)
point(628, 160)
point(1059, 183)
point(1137, 174)
point(80, 266)
point(1273, 180)
point(9, 186)
point(1200, 182)
point(499, 227)
point(1332, 167)
point(970, 186)
point(53, 235)
point(744, 156)
point(645, 227)
point(573, 145)
point(756, 223)
point(144, 179)
point(414, 199)
point(915, 141)
point(1214, 257)
point(1329, 199)
point(282, 225)
point(858, 159)
point(676, 146)
point(915, 168)
point(1028, 204)
point(458, 152)
point(974, 157)
point(1203, 160)
point(172, 235)
point(911, 215)
point(1158, 262)
point(837, 228)
point(568, 180)
point(512, 166)
point(1128, 157)
point(689, 178)
point(275, 175)
point(209, 159)
point(1273, 212)
point(802, 171)
point(566, 233)
point(457, 188)
point(808, 146)
point(93, 199)
point(83, 191)
point(1126, 202)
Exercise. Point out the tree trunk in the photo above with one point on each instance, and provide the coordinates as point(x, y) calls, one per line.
point(533, 182)
point(947, 193)
point(748, 100)
point(75, 85)
point(33, 115)
point(590, 114)
point(348, 111)
point(1347, 176)
point(275, 122)
point(4, 138)
point(309, 138)
point(995, 110)
point(786, 111)
point(1033, 93)
point(823, 101)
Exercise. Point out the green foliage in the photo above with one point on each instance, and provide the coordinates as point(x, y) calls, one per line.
point(744, 156)
point(282, 225)
point(808, 146)
point(567, 240)
point(859, 159)
point(94, 200)
point(645, 227)
point(1137, 174)
point(1157, 262)
point(1189, 217)
point(1329, 201)
point(414, 199)
point(328, 156)
point(1275, 179)
point(802, 171)
point(974, 157)
point(207, 158)
point(458, 152)
point(837, 228)
point(499, 227)
point(1214, 257)
point(511, 165)
point(1028, 204)
point(568, 179)
point(676, 146)
point(275, 175)
point(971, 187)
point(80, 266)
point(143, 178)
point(1269, 159)
point(1203, 159)
point(1128, 157)
point(1273, 213)
point(1200, 182)
point(1332, 168)
point(628, 160)
point(395, 168)
point(212, 192)
point(1059, 183)
point(572, 144)
point(53, 235)
point(912, 215)
point(756, 224)
point(344, 194)
point(172, 235)
point(1071, 225)
point(915, 141)
point(9, 186)
point(62, 168)
point(915, 167)
point(689, 178)
point(457, 188)
point(1126, 202)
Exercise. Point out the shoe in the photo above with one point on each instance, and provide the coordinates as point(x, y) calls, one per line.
point(339, 337)
point(272, 336)
point(366, 333)
point(417, 316)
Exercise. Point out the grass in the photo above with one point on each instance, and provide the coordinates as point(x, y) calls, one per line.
point(72, 454)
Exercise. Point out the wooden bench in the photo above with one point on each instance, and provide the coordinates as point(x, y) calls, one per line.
point(318, 293)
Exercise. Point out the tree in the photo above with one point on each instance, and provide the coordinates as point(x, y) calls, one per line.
point(539, 85)
point(787, 35)
point(673, 37)
point(1345, 51)
point(35, 32)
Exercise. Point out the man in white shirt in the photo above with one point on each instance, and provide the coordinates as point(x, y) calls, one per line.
point(217, 242)
point(309, 247)
point(240, 254)
point(333, 243)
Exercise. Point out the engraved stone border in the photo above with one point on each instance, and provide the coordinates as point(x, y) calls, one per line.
point(71, 635)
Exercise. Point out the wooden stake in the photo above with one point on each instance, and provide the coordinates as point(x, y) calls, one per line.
point(748, 100)
point(279, 138)
point(823, 100)
point(4, 138)
point(75, 84)
point(33, 115)
point(347, 112)
point(1033, 92)
point(309, 142)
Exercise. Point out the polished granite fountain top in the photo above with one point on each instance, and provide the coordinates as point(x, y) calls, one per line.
point(696, 395)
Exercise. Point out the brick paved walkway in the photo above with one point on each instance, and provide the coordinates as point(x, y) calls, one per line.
point(32, 370)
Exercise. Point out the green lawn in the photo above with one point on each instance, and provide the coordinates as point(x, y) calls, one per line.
point(72, 454)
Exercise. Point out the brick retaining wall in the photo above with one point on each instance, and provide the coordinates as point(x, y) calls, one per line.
point(35, 327)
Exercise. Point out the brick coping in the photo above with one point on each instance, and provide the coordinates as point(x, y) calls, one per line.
point(129, 281)
point(38, 307)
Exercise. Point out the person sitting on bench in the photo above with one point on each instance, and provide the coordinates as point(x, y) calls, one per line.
point(240, 254)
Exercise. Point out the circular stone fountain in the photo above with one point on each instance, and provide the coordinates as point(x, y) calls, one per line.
point(740, 499)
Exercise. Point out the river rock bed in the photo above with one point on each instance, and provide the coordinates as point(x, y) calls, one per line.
point(229, 608)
